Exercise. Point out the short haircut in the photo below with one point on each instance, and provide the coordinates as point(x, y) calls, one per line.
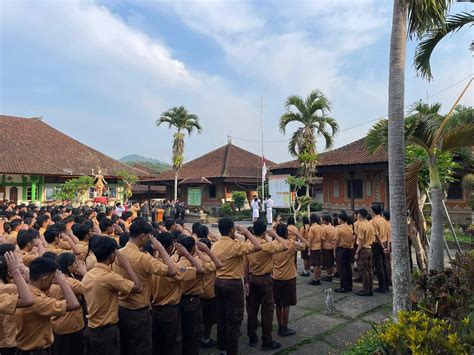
point(225, 225)
point(180, 222)
point(282, 230)
point(140, 226)
point(148, 247)
point(15, 223)
point(68, 219)
point(259, 227)
point(203, 232)
point(102, 247)
point(206, 241)
point(60, 226)
point(166, 239)
point(314, 218)
point(109, 211)
point(50, 255)
point(80, 230)
point(386, 215)
point(195, 227)
point(126, 215)
point(327, 218)
point(51, 234)
point(100, 216)
point(23, 238)
point(42, 266)
point(305, 219)
point(105, 223)
point(342, 217)
point(188, 242)
point(64, 261)
point(123, 239)
point(42, 219)
point(89, 224)
point(4, 247)
point(80, 219)
point(363, 212)
point(291, 220)
point(169, 223)
point(377, 208)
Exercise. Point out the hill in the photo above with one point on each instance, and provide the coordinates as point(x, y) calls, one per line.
point(148, 164)
point(140, 158)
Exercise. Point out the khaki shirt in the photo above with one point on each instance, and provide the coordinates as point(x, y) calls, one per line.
point(344, 236)
point(304, 231)
point(8, 300)
point(34, 323)
point(91, 261)
point(102, 288)
point(209, 277)
point(28, 257)
point(365, 234)
point(292, 232)
point(260, 263)
point(231, 253)
point(380, 228)
point(195, 286)
point(144, 266)
point(166, 290)
point(54, 249)
point(328, 233)
point(12, 237)
point(284, 267)
point(72, 321)
point(314, 236)
point(83, 247)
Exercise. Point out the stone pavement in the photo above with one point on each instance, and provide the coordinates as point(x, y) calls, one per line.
point(318, 333)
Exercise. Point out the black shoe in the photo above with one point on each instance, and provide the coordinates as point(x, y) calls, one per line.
point(364, 293)
point(279, 329)
point(314, 283)
point(327, 278)
point(359, 279)
point(272, 346)
point(341, 290)
point(286, 332)
point(305, 274)
point(210, 344)
point(253, 342)
point(380, 290)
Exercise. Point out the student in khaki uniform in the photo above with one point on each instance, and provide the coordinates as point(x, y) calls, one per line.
point(42, 223)
point(35, 333)
point(102, 288)
point(305, 254)
point(284, 279)
point(69, 329)
point(83, 232)
point(134, 314)
point(328, 232)
point(52, 238)
point(314, 240)
point(166, 295)
point(344, 241)
point(15, 225)
point(28, 241)
point(260, 286)
point(14, 293)
point(231, 250)
point(363, 255)
point(380, 248)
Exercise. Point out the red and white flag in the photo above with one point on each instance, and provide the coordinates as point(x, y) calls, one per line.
point(264, 168)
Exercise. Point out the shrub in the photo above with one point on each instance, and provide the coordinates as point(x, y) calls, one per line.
point(239, 198)
point(226, 209)
point(369, 343)
point(316, 206)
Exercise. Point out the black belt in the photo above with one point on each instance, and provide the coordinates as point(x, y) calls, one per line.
point(98, 329)
point(165, 305)
point(263, 275)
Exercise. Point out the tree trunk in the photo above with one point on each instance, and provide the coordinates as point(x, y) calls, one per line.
point(175, 185)
point(396, 161)
point(436, 251)
point(308, 208)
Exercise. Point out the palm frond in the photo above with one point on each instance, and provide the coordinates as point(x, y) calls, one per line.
point(458, 137)
point(297, 102)
point(377, 136)
point(425, 15)
point(288, 117)
point(333, 124)
point(329, 139)
point(425, 48)
point(296, 142)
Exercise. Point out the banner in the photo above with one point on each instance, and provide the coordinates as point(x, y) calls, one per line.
point(194, 196)
point(279, 190)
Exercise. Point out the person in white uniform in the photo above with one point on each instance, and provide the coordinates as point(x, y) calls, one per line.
point(255, 204)
point(269, 205)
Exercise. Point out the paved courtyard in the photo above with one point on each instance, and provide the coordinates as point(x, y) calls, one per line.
point(318, 333)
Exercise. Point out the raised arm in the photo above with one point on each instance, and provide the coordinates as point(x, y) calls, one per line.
point(250, 236)
point(25, 297)
point(194, 262)
point(123, 262)
point(284, 242)
point(74, 247)
point(164, 255)
point(205, 249)
point(71, 300)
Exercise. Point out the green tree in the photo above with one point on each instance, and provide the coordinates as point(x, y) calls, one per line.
point(436, 138)
point(239, 198)
point(74, 189)
point(296, 202)
point(412, 17)
point(312, 114)
point(179, 118)
point(127, 181)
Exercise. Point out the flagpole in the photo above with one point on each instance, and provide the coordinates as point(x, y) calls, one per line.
point(263, 158)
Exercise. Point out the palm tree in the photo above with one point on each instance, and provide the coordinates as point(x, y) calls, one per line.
point(425, 48)
point(312, 114)
point(179, 118)
point(414, 17)
point(435, 135)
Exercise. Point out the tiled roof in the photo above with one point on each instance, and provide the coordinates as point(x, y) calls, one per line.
point(226, 161)
point(30, 146)
point(350, 154)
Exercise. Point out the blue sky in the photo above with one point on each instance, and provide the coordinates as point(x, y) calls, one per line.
point(103, 71)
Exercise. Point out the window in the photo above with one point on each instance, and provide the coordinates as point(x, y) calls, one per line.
point(212, 191)
point(358, 188)
point(455, 189)
point(91, 193)
point(29, 196)
point(112, 192)
point(49, 192)
point(336, 188)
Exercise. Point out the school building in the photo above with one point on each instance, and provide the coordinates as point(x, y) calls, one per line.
point(353, 178)
point(35, 159)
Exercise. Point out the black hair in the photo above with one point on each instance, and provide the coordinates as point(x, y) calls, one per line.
point(80, 231)
point(155, 225)
point(102, 247)
point(169, 223)
point(105, 223)
point(23, 238)
point(342, 217)
point(369, 217)
point(114, 218)
point(126, 215)
point(28, 220)
point(42, 219)
point(80, 219)
point(148, 247)
point(377, 208)
point(56, 218)
point(195, 227)
point(291, 220)
point(60, 226)
point(314, 218)
point(203, 232)
point(305, 220)
point(100, 216)
point(51, 234)
point(42, 266)
point(335, 221)
point(140, 226)
point(166, 239)
point(68, 219)
point(188, 242)
point(89, 224)
point(350, 220)
point(363, 212)
point(206, 241)
point(386, 215)
point(180, 222)
point(64, 261)
point(7, 227)
point(109, 211)
point(259, 227)
point(50, 255)
point(4, 247)
point(225, 225)
point(15, 223)
point(123, 239)
point(282, 230)
point(327, 218)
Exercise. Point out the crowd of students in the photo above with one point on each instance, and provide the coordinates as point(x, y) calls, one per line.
point(78, 280)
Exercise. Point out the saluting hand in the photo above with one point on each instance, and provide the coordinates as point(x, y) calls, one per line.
point(181, 249)
point(12, 261)
point(81, 267)
point(202, 247)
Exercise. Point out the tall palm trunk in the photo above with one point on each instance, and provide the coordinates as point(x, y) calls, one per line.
point(308, 208)
point(436, 250)
point(175, 184)
point(396, 159)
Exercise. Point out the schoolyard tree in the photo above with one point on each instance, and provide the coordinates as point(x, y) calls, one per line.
point(312, 116)
point(74, 189)
point(239, 198)
point(179, 118)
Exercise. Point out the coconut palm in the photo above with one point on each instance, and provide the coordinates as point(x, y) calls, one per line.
point(179, 118)
point(425, 48)
point(312, 114)
point(434, 134)
point(412, 17)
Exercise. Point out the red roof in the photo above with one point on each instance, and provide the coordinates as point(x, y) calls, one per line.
point(354, 153)
point(226, 161)
point(30, 146)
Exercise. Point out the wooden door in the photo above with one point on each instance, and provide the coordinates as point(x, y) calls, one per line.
point(14, 194)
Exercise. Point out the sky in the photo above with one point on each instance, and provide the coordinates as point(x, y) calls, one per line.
point(103, 71)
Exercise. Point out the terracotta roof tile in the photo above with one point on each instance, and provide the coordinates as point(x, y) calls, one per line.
point(350, 154)
point(30, 146)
